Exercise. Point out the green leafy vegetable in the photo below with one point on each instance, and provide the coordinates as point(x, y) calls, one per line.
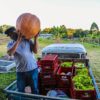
point(79, 65)
point(66, 64)
point(82, 71)
point(82, 80)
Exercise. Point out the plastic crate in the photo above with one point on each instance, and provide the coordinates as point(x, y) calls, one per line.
point(49, 63)
point(83, 94)
point(64, 80)
point(48, 66)
point(65, 70)
point(48, 78)
point(49, 69)
point(83, 61)
point(50, 57)
point(51, 60)
point(76, 69)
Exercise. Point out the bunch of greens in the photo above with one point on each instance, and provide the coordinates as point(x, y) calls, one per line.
point(66, 64)
point(82, 80)
point(83, 71)
point(79, 65)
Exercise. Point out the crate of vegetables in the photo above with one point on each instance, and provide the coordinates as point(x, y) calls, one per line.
point(49, 63)
point(79, 65)
point(48, 78)
point(82, 86)
point(64, 77)
point(67, 67)
point(48, 69)
point(49, 60)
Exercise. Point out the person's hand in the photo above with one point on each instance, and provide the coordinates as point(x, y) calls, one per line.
point(19, 37)
point(12, 50)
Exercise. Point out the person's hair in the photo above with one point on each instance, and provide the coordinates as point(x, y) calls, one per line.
point(11, 32)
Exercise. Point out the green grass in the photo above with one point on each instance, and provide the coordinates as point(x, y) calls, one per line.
point(3, 42)
point(3, 50)
point(6, 79)
point(41, 44)
point(2, 95)
point(4, 39)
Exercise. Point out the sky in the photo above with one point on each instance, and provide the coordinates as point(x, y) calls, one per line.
point(71, 13)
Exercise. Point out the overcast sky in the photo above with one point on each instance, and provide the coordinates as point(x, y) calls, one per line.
point(71, 13)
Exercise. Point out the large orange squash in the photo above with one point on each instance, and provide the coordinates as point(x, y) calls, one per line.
point(28, 25)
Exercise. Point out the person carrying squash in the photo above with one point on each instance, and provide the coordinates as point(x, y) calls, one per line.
point(26, 66)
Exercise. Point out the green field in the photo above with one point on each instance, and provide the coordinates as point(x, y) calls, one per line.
point(93, 53)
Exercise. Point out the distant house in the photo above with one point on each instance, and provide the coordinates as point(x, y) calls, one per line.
point(45, 35)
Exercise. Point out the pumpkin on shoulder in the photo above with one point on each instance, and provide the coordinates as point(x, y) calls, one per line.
point(28, 25)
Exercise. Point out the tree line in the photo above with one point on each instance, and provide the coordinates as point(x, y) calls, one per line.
point(61, 32)
point(91, 36)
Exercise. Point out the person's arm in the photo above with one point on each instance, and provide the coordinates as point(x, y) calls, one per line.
point(12, 50)
point(34, 46)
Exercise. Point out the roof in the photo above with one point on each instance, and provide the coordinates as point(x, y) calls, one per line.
point(64, 48)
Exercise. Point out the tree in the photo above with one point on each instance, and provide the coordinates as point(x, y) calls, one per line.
point(70, 32)
point(63, 31)
point(46, 30)
point(94, 28)
point(3, 28)
point(56, 33)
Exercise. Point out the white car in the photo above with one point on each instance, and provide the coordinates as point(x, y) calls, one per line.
point(65, 50)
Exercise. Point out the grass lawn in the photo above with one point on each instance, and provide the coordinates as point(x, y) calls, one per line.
point(92, 51)
point(3, 49)
point(3, 42)
point(6, 79)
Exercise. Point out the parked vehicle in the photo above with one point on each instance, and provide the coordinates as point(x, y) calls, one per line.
point(52, 76)
point(65, 50)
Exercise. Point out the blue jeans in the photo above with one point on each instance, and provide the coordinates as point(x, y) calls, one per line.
point(29, 78)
